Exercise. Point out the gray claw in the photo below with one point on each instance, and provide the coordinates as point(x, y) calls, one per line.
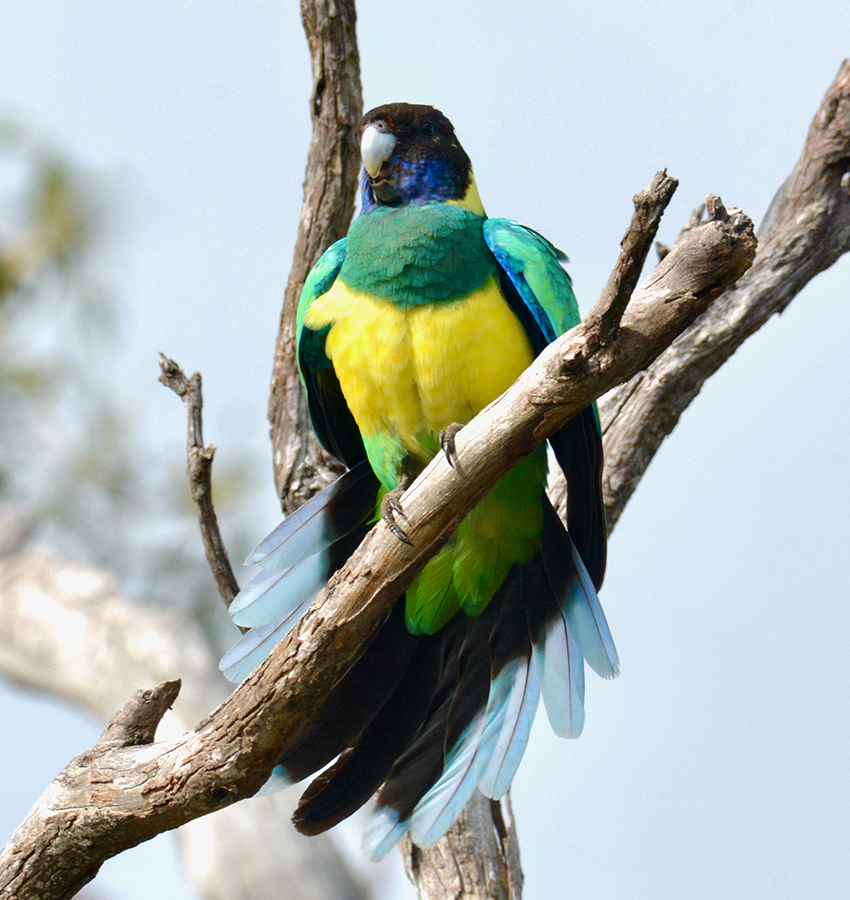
point(447, 443)
point(390, 508)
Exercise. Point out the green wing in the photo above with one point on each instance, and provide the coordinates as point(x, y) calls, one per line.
point(541, 294)
point(332, 420)
point(534, 268)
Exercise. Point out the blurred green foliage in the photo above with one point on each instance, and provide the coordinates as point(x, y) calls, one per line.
point(72, 459)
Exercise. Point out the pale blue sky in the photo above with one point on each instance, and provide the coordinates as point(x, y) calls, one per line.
point(716, 765)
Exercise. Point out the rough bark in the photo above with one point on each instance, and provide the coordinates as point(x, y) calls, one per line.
point(248, 850)
point(336, 104)
point(115, 795)
point(477, 860)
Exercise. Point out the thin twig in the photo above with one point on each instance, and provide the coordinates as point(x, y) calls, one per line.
point(649, 207)
point(199, 463)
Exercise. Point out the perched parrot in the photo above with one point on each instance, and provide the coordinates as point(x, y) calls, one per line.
point(425, 313)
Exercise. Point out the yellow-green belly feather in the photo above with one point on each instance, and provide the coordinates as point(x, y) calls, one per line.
point(409, 373)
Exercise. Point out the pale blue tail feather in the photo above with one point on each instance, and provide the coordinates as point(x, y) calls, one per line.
point(312, 524)
point(587, 623)
point(272, 595)
point(277, 781)
point(444, 802)
point(514, 696)
point(560, 667)
point(383, 831)
point(252, 648)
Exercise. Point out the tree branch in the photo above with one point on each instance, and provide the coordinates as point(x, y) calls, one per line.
point(199, 464)
point(114, 797)
point(477, 860)
point(649, 208)
point(248, 850)
point(806, 229)
point(301, 467)
point(136, 723)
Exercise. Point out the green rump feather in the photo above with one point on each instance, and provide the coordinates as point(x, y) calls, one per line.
point(502, 530)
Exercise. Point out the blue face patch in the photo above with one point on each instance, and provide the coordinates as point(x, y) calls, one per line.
point(426, 181)
point(414, 182)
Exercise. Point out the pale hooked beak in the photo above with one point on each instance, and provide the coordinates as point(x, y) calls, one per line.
point(376, 146)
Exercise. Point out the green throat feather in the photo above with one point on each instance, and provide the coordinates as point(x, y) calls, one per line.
point(416, 255)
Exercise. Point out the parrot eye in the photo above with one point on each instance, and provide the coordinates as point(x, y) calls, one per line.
point(426, 129)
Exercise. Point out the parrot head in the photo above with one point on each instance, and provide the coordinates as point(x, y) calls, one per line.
point(411, 156)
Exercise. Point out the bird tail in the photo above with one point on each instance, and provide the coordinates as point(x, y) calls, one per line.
point(445, 713)
point(297, 559)
point(423, 719)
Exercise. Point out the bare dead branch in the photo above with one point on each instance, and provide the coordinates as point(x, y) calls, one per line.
point(463, 864)
point(136, 723)
point(806, 229)
point(114, 797)
point(247, 850)
point(301, 467)
point(199, 464)
point(649, 207)
point(139, 717)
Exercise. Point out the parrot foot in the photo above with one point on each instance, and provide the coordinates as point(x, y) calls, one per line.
point(447, 442)
point(391, 507)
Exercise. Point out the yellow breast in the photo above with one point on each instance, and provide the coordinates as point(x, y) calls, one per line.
point(411, 372)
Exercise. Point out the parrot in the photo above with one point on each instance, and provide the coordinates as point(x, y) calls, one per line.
point(409, 326)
